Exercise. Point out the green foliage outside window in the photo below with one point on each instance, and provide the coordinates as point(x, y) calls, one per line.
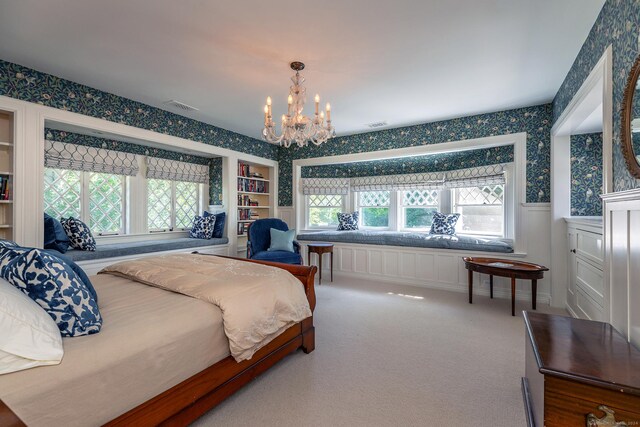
point(418, 217)
point(375, 217)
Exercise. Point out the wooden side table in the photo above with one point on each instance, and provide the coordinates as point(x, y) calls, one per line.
point(320, 248)
point(505, 268)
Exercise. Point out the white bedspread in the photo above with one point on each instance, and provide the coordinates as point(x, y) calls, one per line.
point(258, 302)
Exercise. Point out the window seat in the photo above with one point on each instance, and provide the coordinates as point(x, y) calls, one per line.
point(409, 239)
point(136, 248)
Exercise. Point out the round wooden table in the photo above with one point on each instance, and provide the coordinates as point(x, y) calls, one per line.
point(320, 248)
point(505, 268)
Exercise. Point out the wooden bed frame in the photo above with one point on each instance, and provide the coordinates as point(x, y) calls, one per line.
point(187, 401)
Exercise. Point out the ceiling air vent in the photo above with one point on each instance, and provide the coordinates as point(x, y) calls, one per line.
point(180, 106)
point(377, 124)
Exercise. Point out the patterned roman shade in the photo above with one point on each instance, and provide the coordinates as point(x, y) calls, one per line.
point(475, 177)
point(61, 155)
point(329, 186)
point(429, 180)
point(175, 170)
point(484, 175)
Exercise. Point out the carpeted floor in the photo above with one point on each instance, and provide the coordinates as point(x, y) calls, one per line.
point(385, 359)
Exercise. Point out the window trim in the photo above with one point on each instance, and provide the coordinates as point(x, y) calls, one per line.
point(504, 212)
point(85, 201)
point(402, 212)
point(392, 212)
point(307, 215)
point(173, 220)
point(445, 205)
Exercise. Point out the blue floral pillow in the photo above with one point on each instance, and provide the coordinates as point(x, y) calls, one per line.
point(79, 234)
point(444, 224)
point(203, 227)
point(218, 228)
point(54, 286)
point(347, 221)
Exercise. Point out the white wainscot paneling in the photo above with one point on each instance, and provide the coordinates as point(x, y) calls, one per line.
point(287, 214)
point(442, 268)
point(622, 266)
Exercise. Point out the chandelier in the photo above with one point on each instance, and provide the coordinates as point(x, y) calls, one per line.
point(296, 127)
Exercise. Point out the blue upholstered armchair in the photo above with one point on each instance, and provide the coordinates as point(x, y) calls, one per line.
point(260, 240)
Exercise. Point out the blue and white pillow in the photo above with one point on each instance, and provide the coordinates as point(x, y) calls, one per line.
point(54, 286)
point(203, 227)
point(444, 223)
point(79, 234)
point(347, 221)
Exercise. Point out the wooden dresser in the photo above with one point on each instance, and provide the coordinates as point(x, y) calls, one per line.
point(579, 373)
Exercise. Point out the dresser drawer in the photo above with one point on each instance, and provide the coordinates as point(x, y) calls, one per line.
point(567, 404)
point(590, 279)
point(589, 245)
point(587, 308)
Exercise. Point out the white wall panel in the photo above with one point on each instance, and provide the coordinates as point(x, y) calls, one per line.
point(622, 261)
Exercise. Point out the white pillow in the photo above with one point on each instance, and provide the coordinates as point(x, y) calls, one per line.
point(29, 335)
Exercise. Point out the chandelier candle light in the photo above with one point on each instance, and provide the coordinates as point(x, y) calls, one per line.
point(296, 127)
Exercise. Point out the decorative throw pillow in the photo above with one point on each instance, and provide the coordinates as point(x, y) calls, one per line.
point(29, 336)
point(444, 223)
point(79, 271)
point(54, 235)
point(282, 240)
point(79, 234)
point(218, 228)
point(347, 221)
point(202, 227)
point(8, 244)
point(55, 287)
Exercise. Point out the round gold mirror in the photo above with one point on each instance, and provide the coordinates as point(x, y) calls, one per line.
point(631, 121)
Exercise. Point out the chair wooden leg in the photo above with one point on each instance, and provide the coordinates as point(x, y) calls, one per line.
point(332, 268)
point(534, 293)
point(513, 296)
point(491, 285)
point(308, 257)
point(320, 269)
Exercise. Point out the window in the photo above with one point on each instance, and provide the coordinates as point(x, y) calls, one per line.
point(171, 204)
point(374, 208)
point(418, 207)
point(323, 210)
point(98, 199)
point(481, 210)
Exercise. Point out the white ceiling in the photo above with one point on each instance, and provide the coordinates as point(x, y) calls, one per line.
point(403, 62)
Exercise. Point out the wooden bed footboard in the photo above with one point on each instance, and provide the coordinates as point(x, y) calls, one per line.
point(187, 401)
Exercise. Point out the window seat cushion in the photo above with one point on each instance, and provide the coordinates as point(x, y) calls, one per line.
point(134, 248)
point(409, 239)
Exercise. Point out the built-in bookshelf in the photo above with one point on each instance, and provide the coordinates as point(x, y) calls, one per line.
point(254, 198)
point(6, 174)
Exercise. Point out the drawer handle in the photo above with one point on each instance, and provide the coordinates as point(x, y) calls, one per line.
point(573, 251)
point(608, 420)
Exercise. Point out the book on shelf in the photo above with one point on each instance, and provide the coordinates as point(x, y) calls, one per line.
point(252, 186)
point(243, 228)
point(5, 188)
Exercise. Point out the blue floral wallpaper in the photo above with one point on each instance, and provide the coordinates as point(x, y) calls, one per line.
point(417, 164)
point(26, 84)
point(215, 165)
point(618, 25)
point(586, 174)
point(536, 121)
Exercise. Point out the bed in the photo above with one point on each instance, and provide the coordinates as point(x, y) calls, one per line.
point(172, 373)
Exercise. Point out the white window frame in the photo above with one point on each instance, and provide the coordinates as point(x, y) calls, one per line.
point(401, 209)
point(453, 193)
point(85, 197)
point(172, 227)
point(393, 197)
point(308, 226)
point(350, 203)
